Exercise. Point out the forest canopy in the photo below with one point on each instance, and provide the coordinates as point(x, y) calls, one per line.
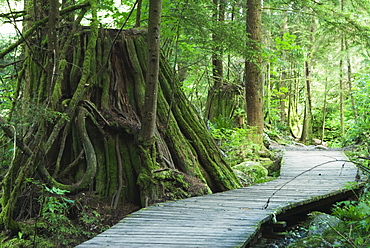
point(104, 98)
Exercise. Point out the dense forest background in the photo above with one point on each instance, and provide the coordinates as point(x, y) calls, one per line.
point(85, 136)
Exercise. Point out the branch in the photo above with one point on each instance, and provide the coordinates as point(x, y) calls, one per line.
point(347, 239)
point(289, 10)
point(11, 134)
point(12, 63)
point(13, 14)
point(37, 24)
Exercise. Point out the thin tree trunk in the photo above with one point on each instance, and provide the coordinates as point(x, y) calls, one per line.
point(219, 17)
point(341, 89)
point(308, 118)
point(53, 45)
point(307, 122)
point(349, 79)
point(138, 13)
point(151, 89)
point(324, 112)
point(217, 64)
point(268, 93)
point(283, 83)
point(294, 122)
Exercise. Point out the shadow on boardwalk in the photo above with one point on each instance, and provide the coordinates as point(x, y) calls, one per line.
point(232, 218)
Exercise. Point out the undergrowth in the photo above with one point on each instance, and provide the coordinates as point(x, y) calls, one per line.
point(60, 222)
point(353, 230)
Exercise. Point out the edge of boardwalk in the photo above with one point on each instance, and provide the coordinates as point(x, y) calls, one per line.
point(232, 218)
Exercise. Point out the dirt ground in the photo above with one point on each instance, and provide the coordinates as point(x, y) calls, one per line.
point(104, 213)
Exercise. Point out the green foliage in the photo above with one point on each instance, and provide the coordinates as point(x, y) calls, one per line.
point(287, 42)
point(26, 114)
point(333, 134)
point(256, 173)
point(355, 225)
point(53, 227)
point(6, 155)
point(53, 214)
point(359, 127)
point(235, 143)
point(7, 75)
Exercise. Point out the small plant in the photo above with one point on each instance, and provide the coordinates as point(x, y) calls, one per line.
point(53, 222)
point(236, 145)
point(354, 229)
point(54, 210)
point(91, 222)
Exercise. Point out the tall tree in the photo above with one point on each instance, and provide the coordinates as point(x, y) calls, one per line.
point(341, 79)
point(306, 136)
point(224, 97)
point(307, 133)
point(253, 69)
point(212, 111)
point(151, 90)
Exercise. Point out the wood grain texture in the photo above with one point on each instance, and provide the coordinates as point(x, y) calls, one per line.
point(232, 218)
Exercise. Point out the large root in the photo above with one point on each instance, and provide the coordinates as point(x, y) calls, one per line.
point(90, 156)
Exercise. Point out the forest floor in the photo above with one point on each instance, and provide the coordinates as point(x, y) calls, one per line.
point(106, 215)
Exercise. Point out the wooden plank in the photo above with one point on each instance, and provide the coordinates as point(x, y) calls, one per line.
point(232, 218)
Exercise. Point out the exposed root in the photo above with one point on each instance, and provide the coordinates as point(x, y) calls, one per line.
point(91, 161)
point(117, 195)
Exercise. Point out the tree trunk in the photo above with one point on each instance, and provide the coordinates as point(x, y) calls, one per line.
point(217, 63)
point(87, 137)
point(293, 96)
point(253, 70)
point(218, 108)
point(283, 82)
point(307, 121)
point(151, 87)
point(149, 117)
point(349, 78)
point(224, 104)
point(324, 112)
point(307, 132)
point(341, 89)
point(138, 13)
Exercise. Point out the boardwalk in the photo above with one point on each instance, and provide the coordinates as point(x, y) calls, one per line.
point(232, 218)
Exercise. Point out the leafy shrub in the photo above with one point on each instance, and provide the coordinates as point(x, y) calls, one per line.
point(359, 124)
point(235, 144)
point(354, 229)
point(54, 226)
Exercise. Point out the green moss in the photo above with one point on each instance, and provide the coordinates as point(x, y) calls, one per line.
point(269, 165)
point(254, 170)
point(105, 81)
point(57, 92)
point(18, 243)
point(137, 71)
point(41, 87)
point(173, 185)
point(75, 69)
point(111, 166)
point(101, 172)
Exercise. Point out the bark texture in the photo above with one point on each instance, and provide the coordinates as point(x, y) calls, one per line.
point(253, 69)
point(87, 138)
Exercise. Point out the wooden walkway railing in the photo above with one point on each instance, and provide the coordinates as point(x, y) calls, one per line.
point(232, 218)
